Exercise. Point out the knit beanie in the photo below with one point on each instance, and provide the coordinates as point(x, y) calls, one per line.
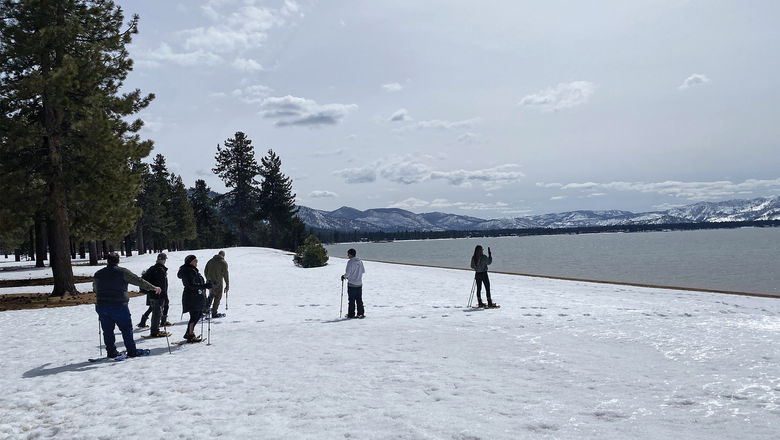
point(189, 259)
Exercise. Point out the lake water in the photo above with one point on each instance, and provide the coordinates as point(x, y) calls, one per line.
point(741, 260)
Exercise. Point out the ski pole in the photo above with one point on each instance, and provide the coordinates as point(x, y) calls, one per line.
point(100, 338)
point(227, 295)
point(208, 338)
point(341, 305)
point(471, 296)
point(166, 338)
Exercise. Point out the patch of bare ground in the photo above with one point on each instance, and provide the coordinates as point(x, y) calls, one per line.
point(25, 301)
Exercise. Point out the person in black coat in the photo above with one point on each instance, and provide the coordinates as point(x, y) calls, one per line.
point(193, 299)
point(158, 303)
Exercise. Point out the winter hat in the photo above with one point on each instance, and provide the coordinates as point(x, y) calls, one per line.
point(162, 256)
point(189, 259)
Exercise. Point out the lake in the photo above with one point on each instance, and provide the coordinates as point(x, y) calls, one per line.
point(741, 260)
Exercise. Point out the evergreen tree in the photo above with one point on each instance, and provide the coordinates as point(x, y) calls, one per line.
point(62, 65)
point(158, 212)
point(210, 230)
point(237, 167)
point(183, 227)
point(311, 253)
point(277, 204)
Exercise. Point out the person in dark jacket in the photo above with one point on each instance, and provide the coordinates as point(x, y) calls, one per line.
point(157, 275)
point(193, 299)
point(110, 286)
point(480, 262)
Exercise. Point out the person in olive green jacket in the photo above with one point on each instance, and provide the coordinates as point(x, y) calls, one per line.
point(215, 271)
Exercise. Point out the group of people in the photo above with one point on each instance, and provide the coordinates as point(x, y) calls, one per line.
point(110, 287)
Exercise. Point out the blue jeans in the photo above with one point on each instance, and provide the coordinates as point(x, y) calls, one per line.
point(116, 315)
point(355, 299)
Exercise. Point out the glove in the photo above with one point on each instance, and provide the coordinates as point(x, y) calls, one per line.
point(209, 285)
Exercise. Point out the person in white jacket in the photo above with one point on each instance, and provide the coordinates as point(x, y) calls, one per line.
point(354, 277)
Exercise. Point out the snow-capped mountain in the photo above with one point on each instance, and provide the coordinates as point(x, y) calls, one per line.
point(393, 219)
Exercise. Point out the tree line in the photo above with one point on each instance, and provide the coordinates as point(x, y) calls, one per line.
point(72, 176)
point(333, 236)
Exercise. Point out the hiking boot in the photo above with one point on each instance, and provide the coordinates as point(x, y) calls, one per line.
point(113, 354)
point(349, 317)
point(167, 323)
point(361, 316)
point(217, 315)
point(139, 352)
point(142, 325)
point(159, 334)
point(481, 305)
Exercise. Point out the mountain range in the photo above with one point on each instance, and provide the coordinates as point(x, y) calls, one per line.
point(394, 219)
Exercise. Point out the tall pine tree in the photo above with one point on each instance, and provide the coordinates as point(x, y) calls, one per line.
point(238, 168)
point(211, 232)
point(183, 226)
point(277, 205)
point(62, 64)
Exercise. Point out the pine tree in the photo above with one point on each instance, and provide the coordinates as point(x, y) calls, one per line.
point(158, 214)
point(311, 253)
point(237, 167)
point(277, 204)
point(62, 64)
point(183, 227)
point(209, 226)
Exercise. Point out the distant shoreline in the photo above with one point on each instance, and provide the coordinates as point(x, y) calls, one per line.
point(585, 280)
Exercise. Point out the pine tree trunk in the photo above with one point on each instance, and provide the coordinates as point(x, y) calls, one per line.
point(139, 239)
point(40, 240)
point(105, 249)
point(129, 245)
point(58, 245)
point(31, 253)
point(82, 251)
point(93, 256)
point(72, 249)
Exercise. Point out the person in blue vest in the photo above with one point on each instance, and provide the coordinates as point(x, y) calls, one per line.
point(110, 286)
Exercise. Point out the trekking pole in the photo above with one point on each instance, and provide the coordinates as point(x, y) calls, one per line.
point(100, 338)
point(227, 295)
point(208, 338)
point(341, 305)
point(166, 338)
point(471, 296)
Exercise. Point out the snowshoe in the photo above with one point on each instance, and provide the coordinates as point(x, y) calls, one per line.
point(139, 352)
point(142, 325)
point(493, 306)
point(218, 315)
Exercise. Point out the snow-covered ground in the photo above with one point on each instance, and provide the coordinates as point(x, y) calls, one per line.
point(559, 360)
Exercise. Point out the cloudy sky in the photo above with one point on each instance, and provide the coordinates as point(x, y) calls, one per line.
point(482, 108)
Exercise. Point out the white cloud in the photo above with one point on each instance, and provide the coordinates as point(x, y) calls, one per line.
point(252, 94)
point(491, 178)
point(294, 111)
point(408, 171)
point(392, 87)
point(247, 65)
point(564, 95)
point(695, 191)
point(322, 194)
point(694, 80)
point(409, 203)
point(470, 138)
point(188, 59)
point(357, 175)
point(415, 203)
point(400, 115)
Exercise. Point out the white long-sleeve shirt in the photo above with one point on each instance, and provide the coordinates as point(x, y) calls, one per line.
point(354, 272)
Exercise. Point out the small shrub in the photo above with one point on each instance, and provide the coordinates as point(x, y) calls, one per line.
point(311, 253)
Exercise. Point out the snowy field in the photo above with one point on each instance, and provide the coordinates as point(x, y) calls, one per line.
point(559, 360)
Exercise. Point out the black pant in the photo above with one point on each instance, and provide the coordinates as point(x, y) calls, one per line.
point(194, 318)
point(164, 316)
point(355, 298)
point(482, 277)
